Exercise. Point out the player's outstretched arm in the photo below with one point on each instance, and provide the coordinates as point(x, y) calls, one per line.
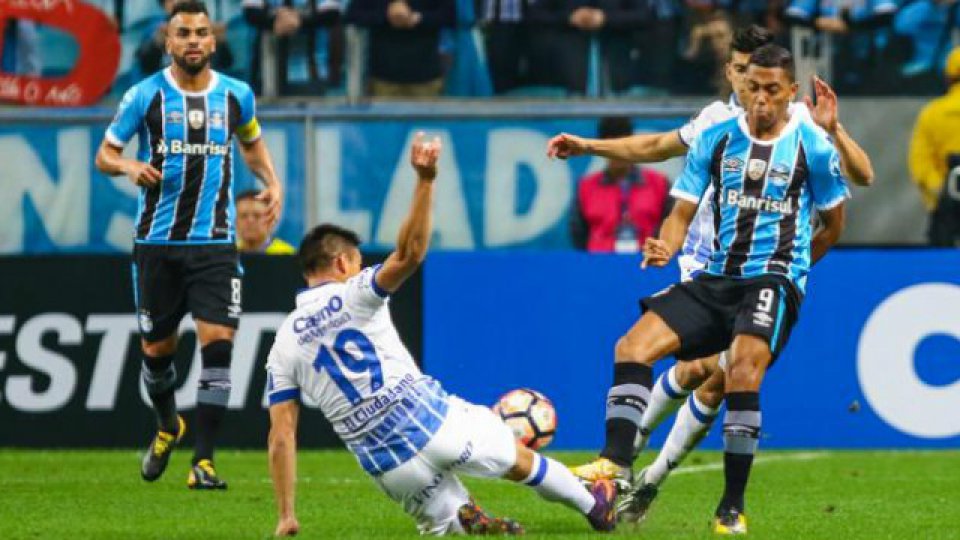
point(257, 157)
point(283, 463)
point(831, 226)
point(659, 251)
point(854, 161)
point(642, 148)
point(110, 161)
point(414, 237)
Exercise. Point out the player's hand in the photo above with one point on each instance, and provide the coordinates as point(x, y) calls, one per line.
point(143, 174)
point(826, 112)
point(565, 145)
point(272, 197)
point(399, 14)
point(655, 253)
point(287, 527)
point(424, 156)
point(581, 18)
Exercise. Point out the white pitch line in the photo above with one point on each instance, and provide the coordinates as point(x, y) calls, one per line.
point(801, 456)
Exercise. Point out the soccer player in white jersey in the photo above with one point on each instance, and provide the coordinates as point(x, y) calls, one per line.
point(340, 348)
point(672, 389)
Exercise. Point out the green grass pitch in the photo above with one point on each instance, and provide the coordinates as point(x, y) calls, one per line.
point(792, 495)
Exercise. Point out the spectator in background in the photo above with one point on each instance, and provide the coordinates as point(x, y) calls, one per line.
point(152, 52)
point(254, 234)
point(935, 158)
point(617, 208)
point(301, 26)
point(404, 44)
point(21, 48)
point(560, 42)
point(928, 27)
point(622, 22)
point(706, 54)
point(506, 35)
point(859, 30)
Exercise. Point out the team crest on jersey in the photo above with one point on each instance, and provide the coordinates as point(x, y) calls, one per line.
point(756, 168)
point(732, 164)
point(216, 120)
point(779, 174)
point(195, 117)
point(146, 323)
point(174, 117)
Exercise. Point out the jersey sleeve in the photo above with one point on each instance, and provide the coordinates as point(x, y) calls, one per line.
point(128, 119)
point(828, 187)
point(363, 293)
point(249, 130)
point(695, 126)
point(281, 376)
point(695, 178)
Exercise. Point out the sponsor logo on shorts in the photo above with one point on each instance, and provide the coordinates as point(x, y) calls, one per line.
point(762, 319)
point(146, 323)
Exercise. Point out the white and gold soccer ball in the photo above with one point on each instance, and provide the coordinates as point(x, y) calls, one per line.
point(530, 415)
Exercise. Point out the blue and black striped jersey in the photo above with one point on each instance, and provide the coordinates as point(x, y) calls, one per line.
point(764, 195)
point(187, 136)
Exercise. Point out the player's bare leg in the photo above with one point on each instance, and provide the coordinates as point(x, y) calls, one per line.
point(693, 422)
point(159, 377)
point(750, 357)
point(213, 393)
point(649, 340)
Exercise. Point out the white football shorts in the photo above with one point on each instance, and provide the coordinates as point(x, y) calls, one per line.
point(472, 440)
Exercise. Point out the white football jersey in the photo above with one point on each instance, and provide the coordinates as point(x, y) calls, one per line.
point(340, 348)
point(698, 246)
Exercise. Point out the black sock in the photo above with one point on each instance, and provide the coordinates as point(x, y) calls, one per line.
point(741, 435)
point(159, 376)
point(213, 394)
point(626, 401)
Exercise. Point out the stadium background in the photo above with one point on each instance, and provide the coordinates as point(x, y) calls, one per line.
point(872, 364)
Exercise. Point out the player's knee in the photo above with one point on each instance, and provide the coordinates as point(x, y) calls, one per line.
point(747, 364)
point(632, 349)
point(709, 395)
point(158, 349)
point(691, 374)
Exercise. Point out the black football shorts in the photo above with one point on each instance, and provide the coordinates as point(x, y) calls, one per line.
point(171, 280)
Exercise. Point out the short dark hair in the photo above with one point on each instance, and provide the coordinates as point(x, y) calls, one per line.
point(614, 127)
point(774, 56)
point(246, 195)
point(750, 38)
point(321, 245)
point(189, 6)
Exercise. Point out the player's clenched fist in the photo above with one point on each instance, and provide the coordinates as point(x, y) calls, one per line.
point(565, 145)
point(287, 527)
point(143, 174)
point(424, 155)
point(655, 253)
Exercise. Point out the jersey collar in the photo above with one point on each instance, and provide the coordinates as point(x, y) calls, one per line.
point(306, 294)
point(789, 127)
point(214, 79)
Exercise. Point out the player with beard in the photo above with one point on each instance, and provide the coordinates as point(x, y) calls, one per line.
point(184, 256)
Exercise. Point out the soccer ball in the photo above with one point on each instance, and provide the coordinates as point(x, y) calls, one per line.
point(530, 416)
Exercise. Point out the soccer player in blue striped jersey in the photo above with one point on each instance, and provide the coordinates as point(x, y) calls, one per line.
point(769, 174)
point(184, 257)
point(339, 347)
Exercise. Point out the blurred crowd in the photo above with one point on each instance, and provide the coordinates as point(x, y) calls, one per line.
point(425, 48)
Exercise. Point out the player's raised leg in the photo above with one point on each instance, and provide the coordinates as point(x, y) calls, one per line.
point(670, 391)
point(649, 340)
point(159, 375)
point(693, 422)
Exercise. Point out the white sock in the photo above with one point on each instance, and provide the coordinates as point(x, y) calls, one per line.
point(554, 482)
point(666, 396)
point(692, 423)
